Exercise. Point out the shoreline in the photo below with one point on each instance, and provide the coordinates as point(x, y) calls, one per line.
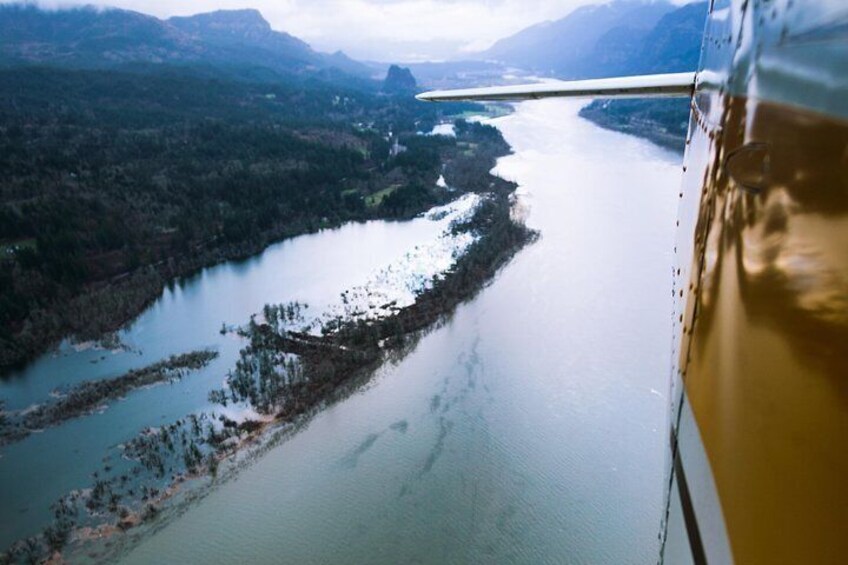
point(195, 446)
point(643, 128)
point(90, 396)
point(105, 306)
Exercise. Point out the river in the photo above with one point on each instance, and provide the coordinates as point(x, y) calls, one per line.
point(529, 428)
point(313, 269)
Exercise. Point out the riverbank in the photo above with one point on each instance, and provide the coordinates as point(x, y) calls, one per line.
point(663, 122)
point(285, 373)
point(87, 396)
point(90, 311)
point(526, 428)
point(346, 350)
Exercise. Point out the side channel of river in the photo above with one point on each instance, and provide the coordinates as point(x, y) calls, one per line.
point(313, 269)
point(530, 428)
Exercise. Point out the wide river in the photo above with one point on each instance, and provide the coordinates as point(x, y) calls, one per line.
point(530, 428)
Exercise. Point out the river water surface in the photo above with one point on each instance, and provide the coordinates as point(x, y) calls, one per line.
point(529, 428)
point(188, 316)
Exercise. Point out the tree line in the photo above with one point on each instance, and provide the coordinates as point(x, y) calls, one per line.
point(105, 175)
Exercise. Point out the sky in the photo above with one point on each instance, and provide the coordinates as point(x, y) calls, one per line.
point(381, 30)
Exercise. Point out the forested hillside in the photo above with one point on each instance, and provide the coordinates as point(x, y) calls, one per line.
point(674, 45)
point(623, 37)
point(89, 37)
point(115, 181)
point(592, 41)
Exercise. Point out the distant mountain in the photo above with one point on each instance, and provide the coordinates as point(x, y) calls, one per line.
point(340, 61)
point(105, 38)
point(623, 37)
point(245, 33)
point(88, 37)
point(245, 36)
point(399, 80)
point(592, 41)
point(674, 45)
point(462, 74)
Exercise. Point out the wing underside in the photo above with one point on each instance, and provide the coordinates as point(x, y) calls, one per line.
point(642, 86)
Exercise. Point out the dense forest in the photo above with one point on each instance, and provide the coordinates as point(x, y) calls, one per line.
point(116, 181)
point(664, 121)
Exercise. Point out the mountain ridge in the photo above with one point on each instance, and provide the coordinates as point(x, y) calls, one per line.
point(571, 47)
point(90, 37)
point(674, 45)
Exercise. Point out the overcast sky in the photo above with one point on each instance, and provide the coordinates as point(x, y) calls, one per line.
point(401, 30)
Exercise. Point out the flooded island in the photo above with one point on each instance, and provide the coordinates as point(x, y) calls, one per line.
point(290, 365)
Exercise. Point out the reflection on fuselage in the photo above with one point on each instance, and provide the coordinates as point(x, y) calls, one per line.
point(764, 331)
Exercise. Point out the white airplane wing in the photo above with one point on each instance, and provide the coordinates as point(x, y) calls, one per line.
point(643, 86)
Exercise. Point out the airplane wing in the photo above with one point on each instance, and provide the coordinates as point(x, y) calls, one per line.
point(643, 86)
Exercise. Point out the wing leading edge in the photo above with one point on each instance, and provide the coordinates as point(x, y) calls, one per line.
point(642, 86)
